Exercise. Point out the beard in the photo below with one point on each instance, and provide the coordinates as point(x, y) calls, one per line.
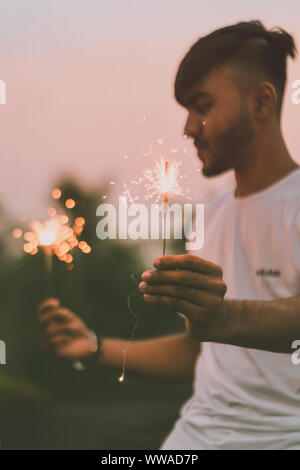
point(231, 147)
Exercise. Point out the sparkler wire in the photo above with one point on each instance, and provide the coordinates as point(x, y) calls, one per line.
point(48, 257)
point(129, 299)
point(165, 209)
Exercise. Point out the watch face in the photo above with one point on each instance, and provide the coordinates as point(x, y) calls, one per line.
point(94, 341)
point(78, 365)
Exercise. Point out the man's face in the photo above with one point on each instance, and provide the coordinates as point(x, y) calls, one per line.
point(219, 122)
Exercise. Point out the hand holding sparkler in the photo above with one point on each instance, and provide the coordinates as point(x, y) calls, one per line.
point(63, 333)
point(190, 285)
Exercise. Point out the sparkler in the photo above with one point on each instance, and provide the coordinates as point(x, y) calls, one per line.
point(165, 209)
point(167, 183)
point(55, 237)
point(161, 182)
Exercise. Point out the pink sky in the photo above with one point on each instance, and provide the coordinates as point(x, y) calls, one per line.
point(80, 74)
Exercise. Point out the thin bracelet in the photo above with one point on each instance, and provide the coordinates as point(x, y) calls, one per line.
point(92, 359)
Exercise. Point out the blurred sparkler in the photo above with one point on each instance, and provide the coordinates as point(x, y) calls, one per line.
point(54, 236)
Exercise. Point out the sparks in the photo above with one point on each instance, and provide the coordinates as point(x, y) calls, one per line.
point(55, 237)
point(162, 180)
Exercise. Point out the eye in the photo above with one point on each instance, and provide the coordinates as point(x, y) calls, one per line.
point(201, 108)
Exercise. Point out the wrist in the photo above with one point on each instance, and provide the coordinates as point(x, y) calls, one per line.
point(220, 332)
point(231, 321)
point(91, 359)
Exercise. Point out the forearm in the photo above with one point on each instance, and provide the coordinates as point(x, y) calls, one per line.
point(168, 358)
point(266, 325)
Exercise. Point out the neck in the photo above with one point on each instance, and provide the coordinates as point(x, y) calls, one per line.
point(267, 162)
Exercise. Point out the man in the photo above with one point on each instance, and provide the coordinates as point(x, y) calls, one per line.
point(246, 389)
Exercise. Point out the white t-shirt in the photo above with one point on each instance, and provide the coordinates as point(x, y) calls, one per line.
point(246, 398)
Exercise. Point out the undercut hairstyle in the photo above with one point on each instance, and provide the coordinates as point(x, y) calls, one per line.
point(248, 46)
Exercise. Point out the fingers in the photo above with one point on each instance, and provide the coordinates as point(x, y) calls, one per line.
point(60, 315)
point(59, 338)
point(189, 262)
point(194, 296)
point(56, 341)
point(72, 330)
point(180, 277)
point(176, 304)
point(48, 305)
point(61, 332)
point(54, 335)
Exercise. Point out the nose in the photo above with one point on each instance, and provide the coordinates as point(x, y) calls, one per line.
point(192, 127)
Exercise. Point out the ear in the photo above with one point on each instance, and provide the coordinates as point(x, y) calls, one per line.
point(264, 100)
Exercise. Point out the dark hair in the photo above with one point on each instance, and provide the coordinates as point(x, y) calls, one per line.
point(247, 44)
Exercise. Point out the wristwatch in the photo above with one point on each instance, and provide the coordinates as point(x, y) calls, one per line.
point(92, 359)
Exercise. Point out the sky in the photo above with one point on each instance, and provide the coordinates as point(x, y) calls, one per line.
point(90, 88)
